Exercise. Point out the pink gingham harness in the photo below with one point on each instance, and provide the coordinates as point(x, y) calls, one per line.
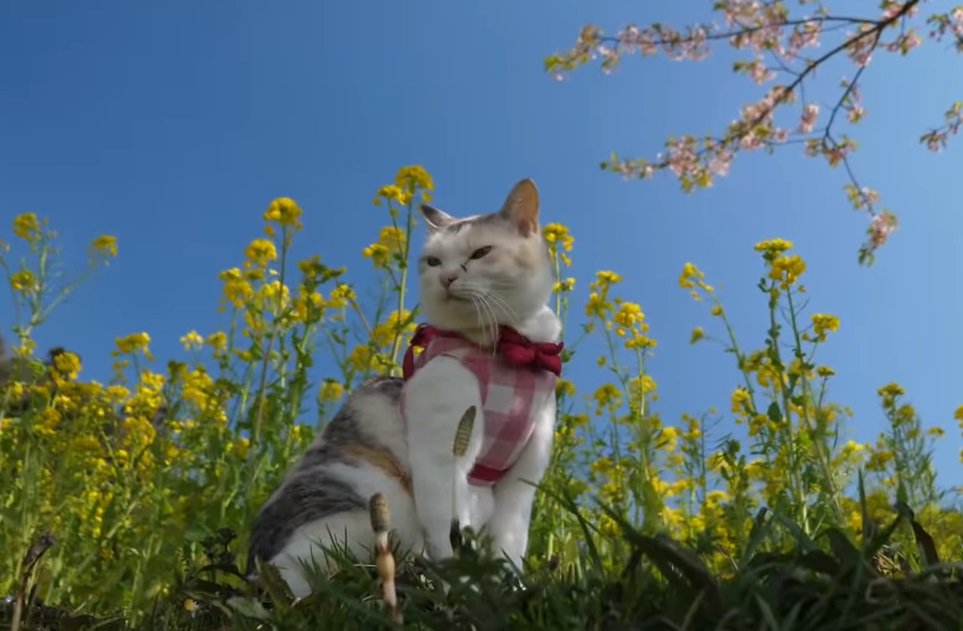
point(514, 377)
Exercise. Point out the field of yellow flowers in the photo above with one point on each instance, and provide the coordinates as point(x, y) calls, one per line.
point(127, 503)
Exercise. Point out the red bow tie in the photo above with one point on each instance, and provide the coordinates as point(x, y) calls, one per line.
point(512, 346)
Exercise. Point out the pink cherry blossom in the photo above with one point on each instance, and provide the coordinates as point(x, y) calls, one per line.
point(808, 120)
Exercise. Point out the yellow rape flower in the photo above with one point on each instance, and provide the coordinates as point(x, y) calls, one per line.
point(558, 234)
point(773, 247)
point(413, 177)
point(241, 446)
point(117, 393)
point(638, 340)
point(596, 306)
point(396, 323)
point(378, 254)
point(105, 244)
point(628, 315)
point(27, 227)
point(697, 334)
point(17, 390)
point(341, 296)
point(716, 497)
point(564, 286)
point(68, 365)
point(25, 348)
point(717, 310)
point(24, 281)
point(408, 180)
point(360, 358)
point(315, 272)
point(604, 278)
point(641, 385)
point(260, 252)
point(608, 526)
point(905, 413)
point(309, 306)
point(851, 448)
point(274, 295)
point(786, 270)
point(237, 289)
point(889, 393)
point(601, 466)
point(138, 432)
point(823, 323)
point(192, 340)
point(284, 211)
point(198, 386)
point(217, 341)
point(152, 381)
point(564, 388)
point(741, 400)
point(392, 192)
point(690, 272)
point(48, 421)
point(670, 438)
point(693, 428)
point(879, 459)
point(133, 343)
point(607, 396)
point(389, 247)
point(331, 391)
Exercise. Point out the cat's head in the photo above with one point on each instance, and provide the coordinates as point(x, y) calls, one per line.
point(486, 269)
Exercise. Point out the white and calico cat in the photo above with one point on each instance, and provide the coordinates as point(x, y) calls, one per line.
point(478, 275)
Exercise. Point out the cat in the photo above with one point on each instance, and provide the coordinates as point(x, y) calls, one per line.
point(478, 275)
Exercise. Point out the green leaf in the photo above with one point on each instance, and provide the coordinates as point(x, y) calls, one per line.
point(869, 527)
point(249, 607)
point(925, 541)
point(774, 413)
point(802, 539)
point(819, 561)
point(276, 587)
point(843, 548)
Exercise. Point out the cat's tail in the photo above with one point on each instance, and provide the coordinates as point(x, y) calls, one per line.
point(384, 560)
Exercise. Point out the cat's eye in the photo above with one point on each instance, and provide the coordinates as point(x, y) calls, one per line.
point(480, 252)
point(432, 261)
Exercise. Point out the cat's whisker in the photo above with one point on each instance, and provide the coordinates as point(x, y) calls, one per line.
point(493, 298)
point(503, 304)
point(500, 285)
point(493, 317)
point(483, 309)
point(480, 313)
point(500, 310)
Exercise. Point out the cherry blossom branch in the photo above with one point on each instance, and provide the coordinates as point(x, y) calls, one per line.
point(766, 29)
point(937, 139)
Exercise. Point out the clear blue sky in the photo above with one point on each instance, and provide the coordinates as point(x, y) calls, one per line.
point(172, 125)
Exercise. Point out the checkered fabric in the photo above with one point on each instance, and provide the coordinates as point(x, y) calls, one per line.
point(515, 378)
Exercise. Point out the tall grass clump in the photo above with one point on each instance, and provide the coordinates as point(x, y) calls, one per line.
point(126, 503)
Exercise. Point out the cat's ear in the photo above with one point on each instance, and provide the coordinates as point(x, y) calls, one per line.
point(434, 218)
point(521, 207)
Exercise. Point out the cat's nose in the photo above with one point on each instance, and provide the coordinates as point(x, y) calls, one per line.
point(448, 279)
